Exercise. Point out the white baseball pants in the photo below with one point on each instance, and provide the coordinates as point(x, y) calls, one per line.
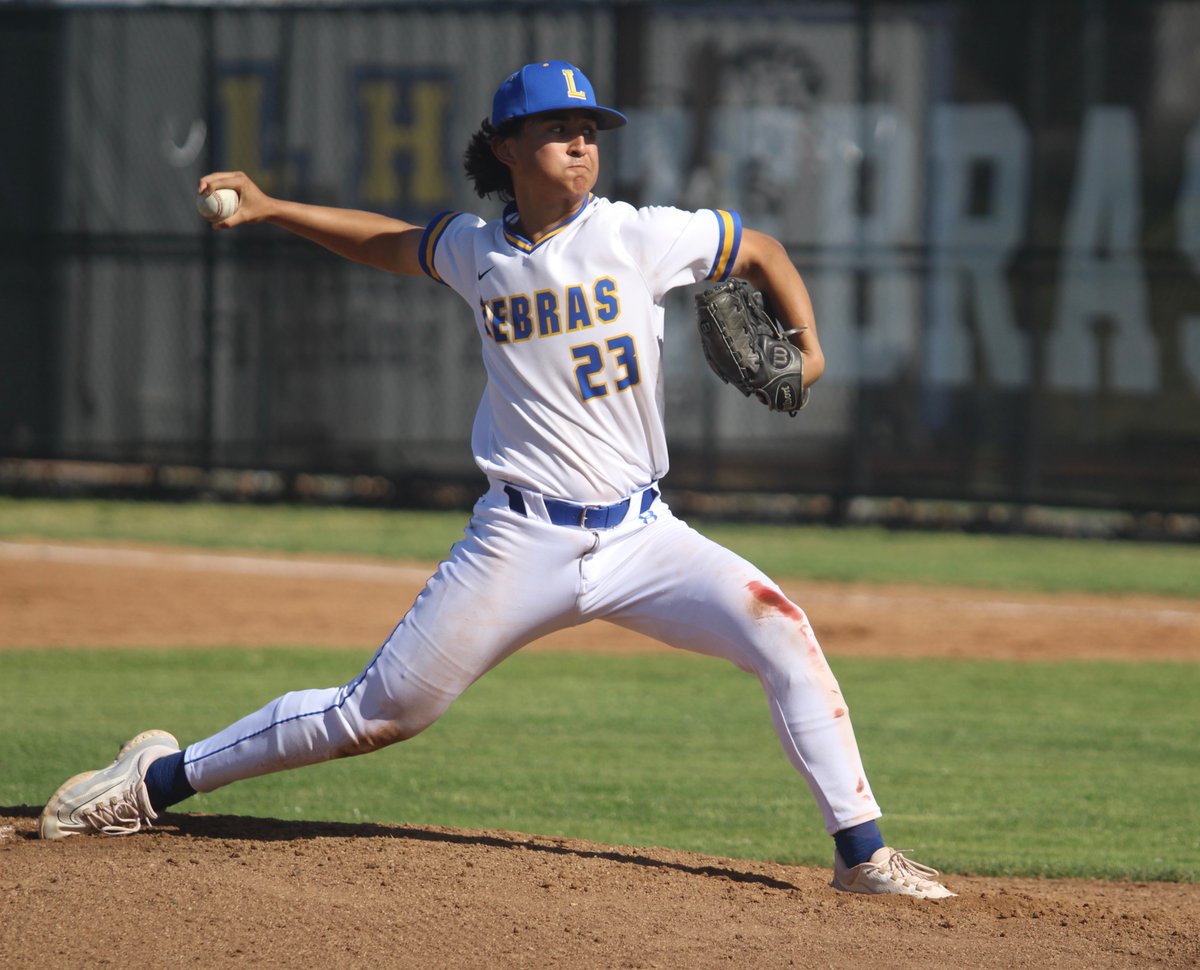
point(516, 577)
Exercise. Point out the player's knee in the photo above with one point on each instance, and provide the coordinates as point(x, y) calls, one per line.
point(400, 720)
point(788, 675)
point(371, 734)
point(378, 713)
point(379, 734)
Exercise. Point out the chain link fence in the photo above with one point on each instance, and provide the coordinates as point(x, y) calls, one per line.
point(996, 207)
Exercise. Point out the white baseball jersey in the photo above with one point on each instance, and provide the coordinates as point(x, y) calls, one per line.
point(572, 331)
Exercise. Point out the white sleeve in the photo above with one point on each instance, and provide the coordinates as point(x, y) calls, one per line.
point(447, 252)
point(675, 247)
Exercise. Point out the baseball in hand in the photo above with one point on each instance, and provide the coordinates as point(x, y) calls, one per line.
point(218, 205)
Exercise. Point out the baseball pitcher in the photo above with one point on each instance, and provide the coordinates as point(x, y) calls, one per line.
point(566, 294)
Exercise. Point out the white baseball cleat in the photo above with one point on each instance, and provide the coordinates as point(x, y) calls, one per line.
point(889, 871)
point(111, 801)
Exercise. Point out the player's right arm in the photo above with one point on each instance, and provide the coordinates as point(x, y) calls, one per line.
point(364, 237)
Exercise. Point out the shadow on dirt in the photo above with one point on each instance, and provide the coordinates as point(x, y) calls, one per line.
point(249, 829)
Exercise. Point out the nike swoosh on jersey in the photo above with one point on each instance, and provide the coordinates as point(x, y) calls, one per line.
point(486, 271)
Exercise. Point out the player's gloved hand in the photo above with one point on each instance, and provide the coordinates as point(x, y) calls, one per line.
point(748, 348)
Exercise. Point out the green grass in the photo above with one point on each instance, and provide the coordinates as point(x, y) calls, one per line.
point(871, 555)
point(877, 555)
point(1079, 770)
point(275, 528)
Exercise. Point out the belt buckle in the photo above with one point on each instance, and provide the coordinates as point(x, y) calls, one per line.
point(583, 514)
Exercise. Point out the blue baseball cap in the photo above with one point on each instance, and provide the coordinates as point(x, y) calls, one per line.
point(549, 86)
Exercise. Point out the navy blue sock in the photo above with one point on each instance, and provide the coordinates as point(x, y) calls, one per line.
point(858, 843)
point(166, 782)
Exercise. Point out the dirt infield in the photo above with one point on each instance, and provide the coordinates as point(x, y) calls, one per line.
point(209, 891)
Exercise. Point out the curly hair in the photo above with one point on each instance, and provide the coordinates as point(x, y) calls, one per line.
point(484, 169)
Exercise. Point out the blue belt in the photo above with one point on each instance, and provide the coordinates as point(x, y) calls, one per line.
point(581, 516)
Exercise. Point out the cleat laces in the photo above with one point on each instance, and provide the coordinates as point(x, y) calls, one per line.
point(903, 870)
point(118, 816)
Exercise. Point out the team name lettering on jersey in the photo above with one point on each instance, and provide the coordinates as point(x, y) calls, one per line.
point(545, 313)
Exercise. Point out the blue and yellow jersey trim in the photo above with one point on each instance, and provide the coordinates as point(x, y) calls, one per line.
point(429, 240)
point(729, 238)
point(524, 245)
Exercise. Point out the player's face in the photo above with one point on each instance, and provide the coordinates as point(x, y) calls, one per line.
point(554, 153)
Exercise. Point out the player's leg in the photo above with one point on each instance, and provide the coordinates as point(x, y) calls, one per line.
point(507, 582)
point(500, 588)
point(721, 605)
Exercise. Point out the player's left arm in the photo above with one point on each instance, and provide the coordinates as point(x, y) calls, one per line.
point(764, 263)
